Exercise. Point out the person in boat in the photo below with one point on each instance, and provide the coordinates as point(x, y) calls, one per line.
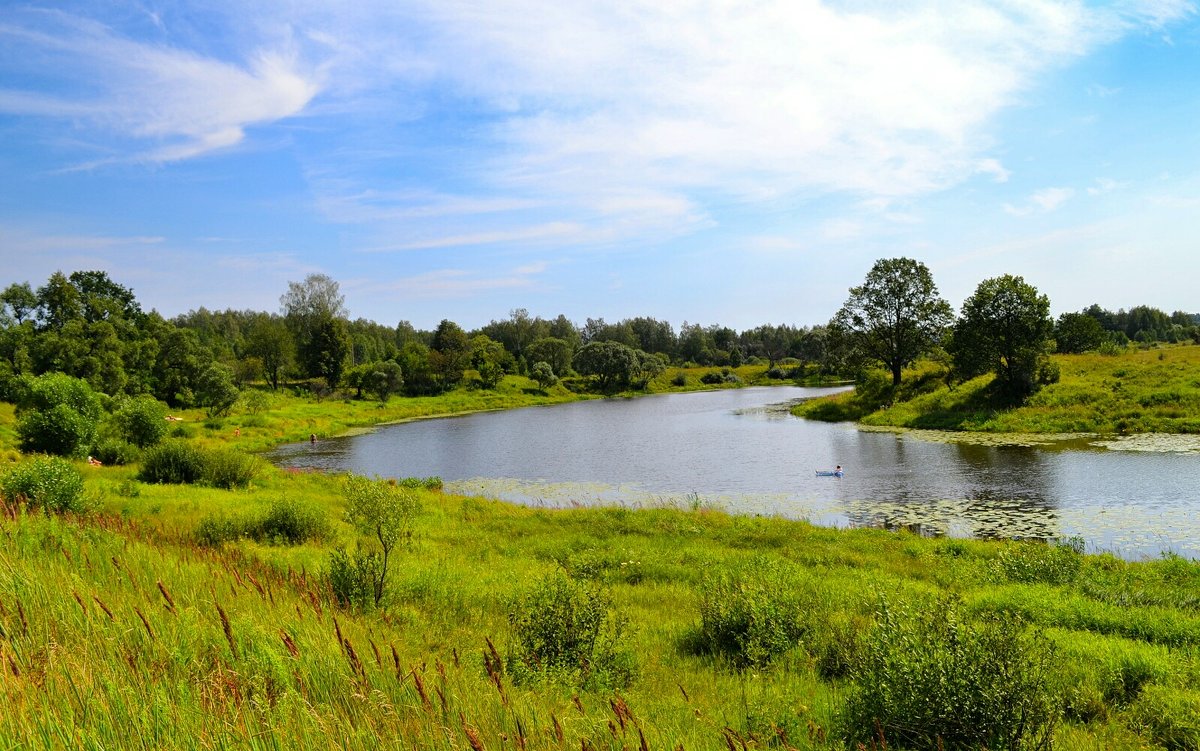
point(838, 470)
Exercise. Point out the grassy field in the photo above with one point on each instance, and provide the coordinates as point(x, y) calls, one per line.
point(123, 629)
point(1139, 391)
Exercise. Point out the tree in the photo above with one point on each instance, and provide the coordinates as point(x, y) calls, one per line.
point(1078, 332)
point(543, 374)
point(270, 341)
point(58, 414)
point(895, 316)
point(554, 352)
point(1005, 328)
point(141, 421)
point(384, 511)
point(383, 379)
point(487, 358)
point(612, 363)
point(326, 351)
point(311, 308)
point(20, 301)
point(450, 355)
point(215, 390)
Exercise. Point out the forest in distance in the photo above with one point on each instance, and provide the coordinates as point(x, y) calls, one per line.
point(89, 326)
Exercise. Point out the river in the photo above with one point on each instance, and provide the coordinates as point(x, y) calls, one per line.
point(741, 450)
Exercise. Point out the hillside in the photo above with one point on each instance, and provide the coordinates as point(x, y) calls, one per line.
point(1154, 390)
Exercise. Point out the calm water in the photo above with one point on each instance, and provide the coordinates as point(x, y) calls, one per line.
point(741, 450)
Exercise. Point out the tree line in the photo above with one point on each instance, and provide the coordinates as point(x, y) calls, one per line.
point(88, 326)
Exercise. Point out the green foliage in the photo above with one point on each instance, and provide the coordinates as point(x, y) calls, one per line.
point(115, 452)
point(928, 679)
point(1078, 332)
point(384, 511)
point(45, 483)
point(255, 402)
point(543, 374)
point(285, 522)
point(181, 462)
point(292, 522)
point(612, 364)
point(58, 414)
point(566, 631)
point(141, 420)
point(893, 318)
point(176, 462)
point(352, 577)
point(215, 390)
point(1005, 328)
point(227, 468)
point(754, 613)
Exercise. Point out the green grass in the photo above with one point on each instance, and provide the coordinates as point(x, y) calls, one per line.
point(71, 672)
point(1140, 391)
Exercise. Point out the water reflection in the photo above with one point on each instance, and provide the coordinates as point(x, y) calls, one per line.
point(741, 450)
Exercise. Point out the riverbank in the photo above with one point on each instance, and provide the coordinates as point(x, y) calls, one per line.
point(1154, 390)
point(182, 645)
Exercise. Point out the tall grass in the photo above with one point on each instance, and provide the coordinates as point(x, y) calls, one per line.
point(125, 632)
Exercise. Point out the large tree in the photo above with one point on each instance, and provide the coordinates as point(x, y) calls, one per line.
point(1005, 328)
point(895, 316)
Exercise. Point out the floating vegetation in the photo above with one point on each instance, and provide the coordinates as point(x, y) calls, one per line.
point(1169, 443)
point(1027, 440)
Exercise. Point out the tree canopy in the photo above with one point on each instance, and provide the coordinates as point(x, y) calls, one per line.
point(894, 316)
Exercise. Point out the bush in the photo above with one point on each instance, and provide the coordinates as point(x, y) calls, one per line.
point(181, 463)
point(753, 613)
point(219, 529)
point(116, 452)
point(565, 631)
point(351, 578)
point(174, 462)
point(679, 379)
point(141, 421)
point(45, 483)
point(292, 522)
point(929, 680)
point(225, 468)
point(58, 415)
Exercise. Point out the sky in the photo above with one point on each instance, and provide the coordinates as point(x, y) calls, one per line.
point(732, 163)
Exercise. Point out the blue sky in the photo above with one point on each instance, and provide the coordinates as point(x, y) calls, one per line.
point(735, 163)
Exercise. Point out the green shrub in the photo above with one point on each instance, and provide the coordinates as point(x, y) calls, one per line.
point(58, 414)
point(420, 483)
point(181, 463)
point(929, 680)
point(226, 468)
point(566, 631)
point(115, 451)
point(45, 483)
point(1170, 716)
point(219, 529)
point(292, 522)
point(141, 421)
point(679, 379)
point(754, 613)
point(351, 578)
point(174, 462)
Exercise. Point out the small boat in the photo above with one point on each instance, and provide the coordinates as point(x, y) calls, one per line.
point(830, 473)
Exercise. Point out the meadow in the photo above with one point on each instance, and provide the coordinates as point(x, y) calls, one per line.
point(1152, 390)
point(146, 623)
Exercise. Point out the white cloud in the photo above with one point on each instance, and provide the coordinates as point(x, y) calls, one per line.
point(994, 168)
point(1041, 201)
point(171, 103)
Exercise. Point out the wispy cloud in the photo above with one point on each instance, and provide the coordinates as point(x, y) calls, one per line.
point(169, 103)
point(451, 283)
point(1041, 201)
